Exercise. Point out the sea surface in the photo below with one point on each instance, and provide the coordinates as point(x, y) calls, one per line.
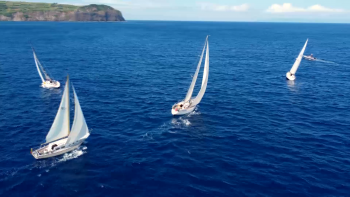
point(253, 134)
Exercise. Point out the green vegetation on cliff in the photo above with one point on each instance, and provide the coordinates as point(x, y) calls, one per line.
point(9, 7)
point(30, 11)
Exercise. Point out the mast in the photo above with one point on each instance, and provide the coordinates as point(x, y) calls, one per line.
point(37, 66)
point(68, 110)
point(296, 64)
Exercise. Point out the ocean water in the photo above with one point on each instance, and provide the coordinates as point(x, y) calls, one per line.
point(253, 134)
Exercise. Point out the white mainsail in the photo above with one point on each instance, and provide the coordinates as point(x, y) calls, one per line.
point(60, 126)
point(295, 67)
point(79, 127)
point(190, 90)
point(201, 93)
point(37, 66)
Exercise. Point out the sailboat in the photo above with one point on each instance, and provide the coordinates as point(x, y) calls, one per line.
point(189, 104)
point(61, 139)
point(291, 74)
point(48, 82)
point(310, 57)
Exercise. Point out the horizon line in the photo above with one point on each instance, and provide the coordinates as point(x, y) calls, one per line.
point(224, 21)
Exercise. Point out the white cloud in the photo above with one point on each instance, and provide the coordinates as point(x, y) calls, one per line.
point(289, 8)
point(240, 8)
point(222, 8)
point(320, 8)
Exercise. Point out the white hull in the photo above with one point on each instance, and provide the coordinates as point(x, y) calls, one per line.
point(182, 111)
point(54, 84)
point(290, 77)
point(309, 58)
point(47, 151)
point(182, 108)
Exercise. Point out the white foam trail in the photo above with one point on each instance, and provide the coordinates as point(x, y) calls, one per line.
point(186, 122)
point(180, 122)
point(324, 61)
point(175, 122)
point(73, 154)
point(47, 163)
point(194, 112)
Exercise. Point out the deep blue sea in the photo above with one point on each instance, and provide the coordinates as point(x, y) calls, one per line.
point(253, 134)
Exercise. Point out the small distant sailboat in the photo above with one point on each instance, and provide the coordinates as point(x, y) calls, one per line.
point(189, 104)
point(310, 57)
point(291, 74)
point(48, 82)
point(60, 139)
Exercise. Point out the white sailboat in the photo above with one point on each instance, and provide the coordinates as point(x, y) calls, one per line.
point(189, 104)
point(61, 139)
point(310, 57)
point(291, 74)
point(48, 82)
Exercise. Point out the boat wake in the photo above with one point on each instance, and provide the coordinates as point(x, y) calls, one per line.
point(324, 61)
point(44, 164)
point(4, 175)
point(183, 121)
point(74, 154)
point(194, 112)
point(179, 122)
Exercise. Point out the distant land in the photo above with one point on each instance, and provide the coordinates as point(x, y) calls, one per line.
point(25, 11)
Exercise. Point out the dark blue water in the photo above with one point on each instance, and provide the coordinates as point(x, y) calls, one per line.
point(253, 134)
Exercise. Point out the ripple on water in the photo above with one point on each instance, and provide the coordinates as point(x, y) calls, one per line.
point(253, 134)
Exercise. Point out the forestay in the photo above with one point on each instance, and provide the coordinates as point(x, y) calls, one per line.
point(295, 67)
point(79, 127)
point(190, 90)
point(37, 66)
point(37, 62)
point(201, 93)
point(60, 126)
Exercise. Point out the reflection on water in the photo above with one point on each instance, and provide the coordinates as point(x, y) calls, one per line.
point(48, 93)
point(292, 86)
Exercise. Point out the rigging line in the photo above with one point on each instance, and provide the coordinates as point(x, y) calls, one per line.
point(198, 58)
point(46, 71)
point(196, 63)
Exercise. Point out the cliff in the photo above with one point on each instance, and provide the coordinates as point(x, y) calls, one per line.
point(24, 11)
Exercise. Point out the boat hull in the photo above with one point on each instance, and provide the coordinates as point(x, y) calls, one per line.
point(47, 84)
point(44, 153)
point(182, 111)
point(290, 77)
point(309, 58)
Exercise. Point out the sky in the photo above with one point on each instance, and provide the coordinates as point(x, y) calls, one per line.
point(319, 11)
